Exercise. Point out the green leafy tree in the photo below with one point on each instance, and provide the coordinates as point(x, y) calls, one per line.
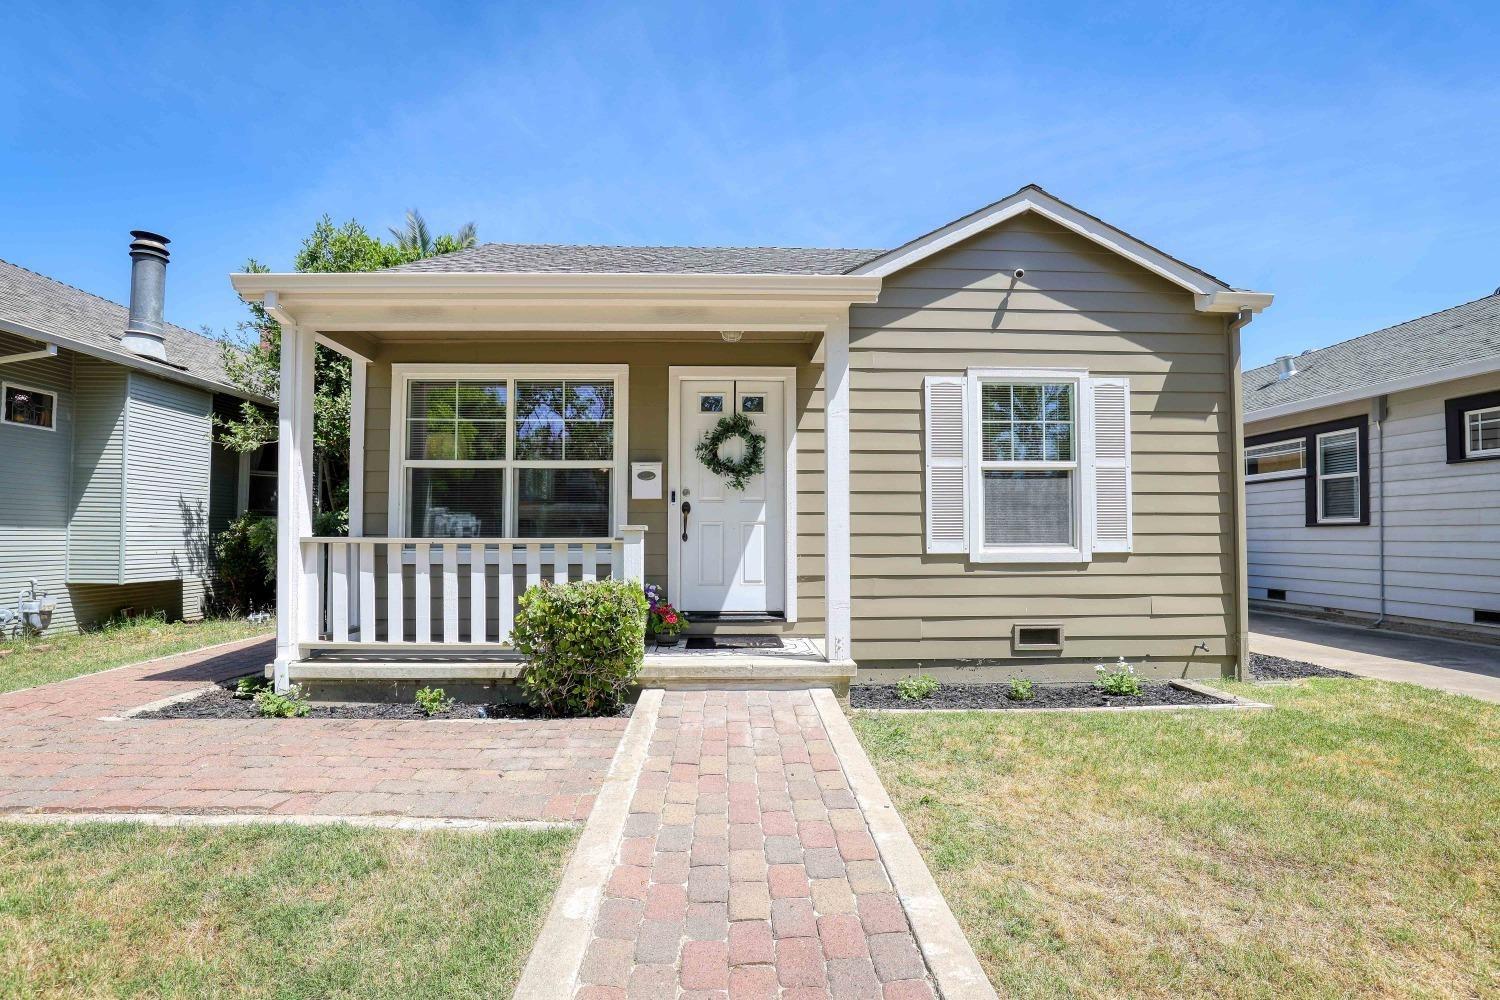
point(252, 357)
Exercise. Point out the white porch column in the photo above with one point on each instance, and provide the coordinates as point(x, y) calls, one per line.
point(836, 499)
point(296, 577)
point(359, 373)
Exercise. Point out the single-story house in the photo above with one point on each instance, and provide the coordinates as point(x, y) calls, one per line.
point(1007, 446)
point(113, 485)
point(1372, 474)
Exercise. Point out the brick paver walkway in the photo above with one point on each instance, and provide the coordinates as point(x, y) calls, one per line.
point(57, 755)
point(746, 868)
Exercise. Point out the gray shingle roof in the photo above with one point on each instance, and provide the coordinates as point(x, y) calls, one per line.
point(1466, 333)
point(49, 306)
point(549, 257)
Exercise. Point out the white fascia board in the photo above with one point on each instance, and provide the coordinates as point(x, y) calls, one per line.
point(829, 288)
point(1452, 373)
point(1207, 292)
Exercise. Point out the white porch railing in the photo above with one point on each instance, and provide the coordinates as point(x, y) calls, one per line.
point(447, 591)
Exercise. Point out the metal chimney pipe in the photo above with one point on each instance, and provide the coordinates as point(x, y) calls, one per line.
point(145, 331)
point(1286, 367)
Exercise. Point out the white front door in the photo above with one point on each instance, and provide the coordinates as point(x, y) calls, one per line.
point(733, 545)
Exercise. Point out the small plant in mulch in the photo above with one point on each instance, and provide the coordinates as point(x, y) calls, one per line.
point(1121, 679)
point(287, 705)
point(1019, 689)
point(918, 688)
point(248, 687)
point(434, 701)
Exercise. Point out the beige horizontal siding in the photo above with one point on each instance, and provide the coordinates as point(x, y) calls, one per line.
point(1078, 306)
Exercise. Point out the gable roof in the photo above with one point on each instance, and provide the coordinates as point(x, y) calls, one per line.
point(551, 258)
point(41, 308)
point(1453, 343)
point(1211, 294)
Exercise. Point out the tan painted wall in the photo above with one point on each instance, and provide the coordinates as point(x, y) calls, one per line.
point(1077, 306)
point(649, 360)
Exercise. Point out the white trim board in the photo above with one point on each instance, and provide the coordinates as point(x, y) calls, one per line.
point(788, 378)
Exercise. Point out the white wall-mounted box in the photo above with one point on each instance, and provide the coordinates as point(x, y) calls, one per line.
point(645, 480)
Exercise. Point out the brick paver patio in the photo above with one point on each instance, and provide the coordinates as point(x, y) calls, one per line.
point(58, 755)
point(746, 868)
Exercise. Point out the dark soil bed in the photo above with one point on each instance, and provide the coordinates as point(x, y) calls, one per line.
point(219, 703)
point(1274, 668)
point(1077, 695)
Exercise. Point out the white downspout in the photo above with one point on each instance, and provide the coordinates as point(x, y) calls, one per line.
point(1380, 410)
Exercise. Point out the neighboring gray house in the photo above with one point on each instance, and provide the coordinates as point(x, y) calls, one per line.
point(1372, 473)
point(112, 484)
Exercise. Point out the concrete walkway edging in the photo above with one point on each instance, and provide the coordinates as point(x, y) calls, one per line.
point(551, 971)
point(950, 958)
point(407, 823)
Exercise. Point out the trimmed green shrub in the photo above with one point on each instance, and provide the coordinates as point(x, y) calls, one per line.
point(1020, 689)
point(918, 688)
point(434, 701)
point(583, 643)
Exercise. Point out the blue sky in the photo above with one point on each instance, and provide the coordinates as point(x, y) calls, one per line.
point(1342, 155)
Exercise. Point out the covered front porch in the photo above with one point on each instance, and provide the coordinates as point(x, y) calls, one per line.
point(514, 430)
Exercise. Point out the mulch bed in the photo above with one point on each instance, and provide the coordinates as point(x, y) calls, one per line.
point(1274, 668)
point(219, 703)
point(1074, 695)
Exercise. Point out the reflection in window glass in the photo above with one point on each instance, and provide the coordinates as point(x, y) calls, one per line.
point(753, 404)
point(28, 407)
point(563, 503)
point(456, 503)
point(710, 404)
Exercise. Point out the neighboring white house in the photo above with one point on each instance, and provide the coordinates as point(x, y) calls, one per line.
point(1372, 480)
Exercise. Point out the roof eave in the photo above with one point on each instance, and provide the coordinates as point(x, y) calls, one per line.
point(1435, 376)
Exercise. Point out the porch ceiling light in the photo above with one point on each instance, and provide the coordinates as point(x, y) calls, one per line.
point(732, 336)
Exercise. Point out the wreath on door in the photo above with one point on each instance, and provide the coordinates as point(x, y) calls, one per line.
point(752, 463)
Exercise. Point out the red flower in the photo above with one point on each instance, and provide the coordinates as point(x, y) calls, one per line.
point(669, 618)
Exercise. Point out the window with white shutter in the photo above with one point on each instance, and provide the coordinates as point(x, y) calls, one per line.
point(1027, 465)
point(1112, 499)
point(945, 504)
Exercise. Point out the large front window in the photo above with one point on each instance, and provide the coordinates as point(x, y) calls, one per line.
point(510, 455)
point(1028, 464)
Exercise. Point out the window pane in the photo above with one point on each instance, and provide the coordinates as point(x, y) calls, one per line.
point(589, 440)
point(430, 439)
point(753, 404)
point(999, 442)
point(1059, 442)
point(995, 401)
point(1028, 508)
point(456, 503)
point(591, 401)
point(481, 400)
point(710, 404)
point(481, 440)
point(539, 420)
point(262, 494)
point(1026, 402)
point(1484, 430)
point(1057, 402)
point(1028, 443)
point(27, 406)
point(563, 503)
point(1341, 498)
point(431, 400)
point(1279, 456)
point(1339, 453)
point(263, 459)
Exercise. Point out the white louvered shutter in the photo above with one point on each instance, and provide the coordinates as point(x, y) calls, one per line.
point(946, 503)
point(1112, 494)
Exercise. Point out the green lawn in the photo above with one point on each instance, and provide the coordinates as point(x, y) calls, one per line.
point(107, 910)
point(56, 658)
point(1346, 844)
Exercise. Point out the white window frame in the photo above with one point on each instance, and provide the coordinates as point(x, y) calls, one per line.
point(1082, 467)
point(402, 375)
point(1262, 477)
point(1355, 475)
point(1469, 416)
point(5, 388)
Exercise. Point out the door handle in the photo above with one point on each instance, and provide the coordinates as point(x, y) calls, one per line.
point(687, 509)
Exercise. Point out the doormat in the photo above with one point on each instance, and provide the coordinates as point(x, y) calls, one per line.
point(734, 642)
